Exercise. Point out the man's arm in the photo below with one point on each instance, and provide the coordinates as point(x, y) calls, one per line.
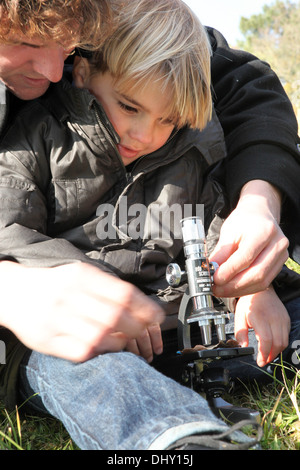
point(257, 118)
point(260, 131)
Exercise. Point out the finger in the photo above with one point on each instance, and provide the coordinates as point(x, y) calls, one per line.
point(156, 338)
point(101, 318)
point(128, 297)
point(241, 327)
point(112, 292)
point(132, 347)
point(73, 349)
point(238, 261)
point(114, 342)
point(256, 278)
point(264, 337)
point(223, 251)
point(144, 346)
point(271, 244)
point(280, 334)
point(264, 350)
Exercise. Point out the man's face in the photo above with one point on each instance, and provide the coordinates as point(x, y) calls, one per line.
point(29, 65)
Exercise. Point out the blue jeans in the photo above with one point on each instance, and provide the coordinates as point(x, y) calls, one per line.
point(117, 401)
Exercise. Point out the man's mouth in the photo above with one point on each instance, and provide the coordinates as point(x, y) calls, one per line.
point(36, 82)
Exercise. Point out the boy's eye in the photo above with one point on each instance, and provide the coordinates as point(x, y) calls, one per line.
point(167, 122)
point(127, 108)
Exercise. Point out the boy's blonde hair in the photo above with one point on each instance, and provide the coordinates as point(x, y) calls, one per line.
point(82, 22)
point(161, 40)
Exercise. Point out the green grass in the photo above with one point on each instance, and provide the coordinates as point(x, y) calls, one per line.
point(278, 404)
point(294, 266)
point(25, 432)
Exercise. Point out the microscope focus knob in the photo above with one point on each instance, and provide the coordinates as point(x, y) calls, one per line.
point(174, 275)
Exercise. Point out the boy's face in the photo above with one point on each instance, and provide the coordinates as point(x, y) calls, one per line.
point(138, 117)
point(27, 66)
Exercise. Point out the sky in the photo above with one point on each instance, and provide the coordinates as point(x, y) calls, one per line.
point(225, 15)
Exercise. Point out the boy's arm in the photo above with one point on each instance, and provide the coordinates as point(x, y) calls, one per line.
point(72, 311)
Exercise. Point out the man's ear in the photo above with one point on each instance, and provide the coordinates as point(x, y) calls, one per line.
point(81, 72)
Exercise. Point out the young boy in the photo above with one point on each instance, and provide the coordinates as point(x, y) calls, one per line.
point(84, 166)
point(124, 140)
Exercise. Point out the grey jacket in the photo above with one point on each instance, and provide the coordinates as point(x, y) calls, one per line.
point(66, 195)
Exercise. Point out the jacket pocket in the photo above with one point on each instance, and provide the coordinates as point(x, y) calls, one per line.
point(21, 203)
point(64, 201)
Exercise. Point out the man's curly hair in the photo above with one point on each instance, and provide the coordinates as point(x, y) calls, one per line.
point(84, 22)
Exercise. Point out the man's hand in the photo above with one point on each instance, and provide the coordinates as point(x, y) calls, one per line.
point(252, 248)
point(266, 314)
point(74, 311)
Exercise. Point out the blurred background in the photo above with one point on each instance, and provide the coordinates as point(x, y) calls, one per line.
point(269, 29)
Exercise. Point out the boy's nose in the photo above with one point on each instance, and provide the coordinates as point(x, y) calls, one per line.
point(143, 132)
point(50, 63)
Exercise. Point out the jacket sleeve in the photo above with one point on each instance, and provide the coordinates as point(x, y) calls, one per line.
point(259, 125)
point(24, 176)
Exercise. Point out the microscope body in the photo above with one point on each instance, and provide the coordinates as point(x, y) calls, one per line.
point(197, 306)
point(199, 275)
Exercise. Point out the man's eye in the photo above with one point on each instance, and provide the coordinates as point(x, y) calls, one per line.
point(127, 108)
point(32, 46)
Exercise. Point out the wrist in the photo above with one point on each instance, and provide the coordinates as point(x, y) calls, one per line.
point(265, 193)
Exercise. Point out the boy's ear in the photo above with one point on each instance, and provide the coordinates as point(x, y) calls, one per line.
point(81, 72)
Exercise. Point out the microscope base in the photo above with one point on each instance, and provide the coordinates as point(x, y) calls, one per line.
point(231, 413)
point(215, 382)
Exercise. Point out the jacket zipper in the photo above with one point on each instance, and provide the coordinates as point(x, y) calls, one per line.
point(112, 141)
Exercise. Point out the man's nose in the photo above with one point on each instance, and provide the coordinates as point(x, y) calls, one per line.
point(50, 63)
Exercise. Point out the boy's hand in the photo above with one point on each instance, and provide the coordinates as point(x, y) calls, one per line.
point(266, 314)
point(252, 248)
point(149, 342)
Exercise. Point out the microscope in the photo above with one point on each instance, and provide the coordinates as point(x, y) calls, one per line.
point(201, 365)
